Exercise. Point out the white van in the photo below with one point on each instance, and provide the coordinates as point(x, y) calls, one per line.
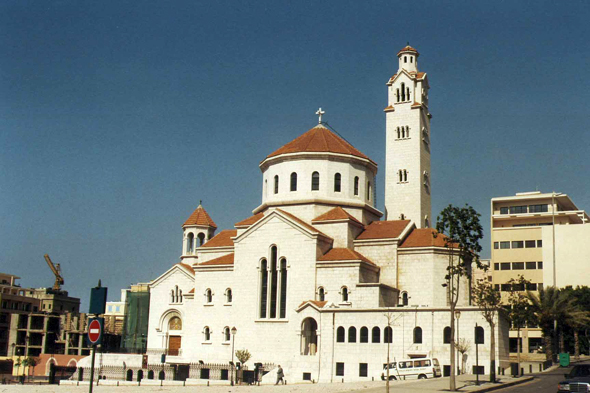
point(420, 368)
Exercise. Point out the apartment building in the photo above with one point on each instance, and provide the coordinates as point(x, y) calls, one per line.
point(541, 237)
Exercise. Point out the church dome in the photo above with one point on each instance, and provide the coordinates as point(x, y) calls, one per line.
point(317, 171)
point(407, 49)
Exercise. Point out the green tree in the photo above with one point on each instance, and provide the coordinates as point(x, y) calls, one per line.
point(520, 310)
point(243, 355)
point(462, 231)
point(489, 302)
point(581, 319)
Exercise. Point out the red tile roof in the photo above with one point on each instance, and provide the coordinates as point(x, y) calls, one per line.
point(319, 304)
point(424, 238)
point(383, 230)
point(200, 217)
point(344, 254)
point(250, 220)
point(224, 260)
point(336, 213)
point(192, 291)
point(319, 139)
point(222, 239)
point(303, 223)
point(408, 48)
point(187, 267)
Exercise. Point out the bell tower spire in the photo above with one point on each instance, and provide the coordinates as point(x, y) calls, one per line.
point(407, 156)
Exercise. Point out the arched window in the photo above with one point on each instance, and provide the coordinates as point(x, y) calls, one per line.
point(376, 335)
point(190, 242)
point(161, 375)
point(368, 191)
point(404, 294)
point(263, 287)
point(293, 181)
point(129, 375)
point(408, 93)
point(337, 180)
point(209, 296)
point(283, 307)
point(405, 175)
point(207, 333)
point(401, 176)
point(407, 131)
point(276, 184)
point(402, 216)
point(340, 334)
point(309, 337)
point(228, 295)
point(356, 185)
point(315, 181)
point(398, 133)
point(405, 59)
point(403, 92)
point(151, 374)
point(447, 335)
point(479, 335)
point(274, 282)
point(321, 294)
point(364, 335)
point(226, 334)
point(201, 237)
point(344, 292)
point(352, 334)
point(426, 222)
point(388, 335)
point(417, 335)
point(403, 132)
point(139, 375)
point(397, 95)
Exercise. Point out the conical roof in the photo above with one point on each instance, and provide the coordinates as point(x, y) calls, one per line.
point(200, 217)
point(318, 140)
point(408, 48)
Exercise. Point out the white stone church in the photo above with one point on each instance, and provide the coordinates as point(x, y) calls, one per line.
point(308, 280)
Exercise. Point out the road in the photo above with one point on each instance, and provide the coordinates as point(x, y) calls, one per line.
point(543, 383)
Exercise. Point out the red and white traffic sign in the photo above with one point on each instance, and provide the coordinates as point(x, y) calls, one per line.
point(94, 331)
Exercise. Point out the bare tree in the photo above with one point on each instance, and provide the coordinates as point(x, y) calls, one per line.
point(489, 301)
point(388, 337)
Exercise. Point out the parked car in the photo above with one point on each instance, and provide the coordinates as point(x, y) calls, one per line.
point(420, 368)
point(577, 380)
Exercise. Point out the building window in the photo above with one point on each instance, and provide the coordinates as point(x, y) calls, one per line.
point(540, 265)
point(531, 265)
point(209, 296)
point(529, 243)
point(517, 265)
point(518, 209)
point(228, 295)
point(337, 180)
point(505, 266)
point(321, 294)
point(283, 307)
point(368, 191)
point(388, 335)
point(539, 243)
point(503, 210)
point(417, 335)
point(479, 335)
point(352, 334)
point(293, 181)
point(309, 337)
point(447, 335)
point(226, 334)
point(376, 335)
point(400, 175)
point(497, 287)
point(201, 237)
point(404, 296)
point(315, 181)
point(344, 292)
point(496, 245)
point(207, 333)
point(274, 282)
point(518, 244)
point(340, 334)
point(504, 245)
point(505, 287)
point(263, 287)
point(276, 184)
point(538, 208)
point(403, 92)
point(339, 369)
point(356, 185)
point(364, 335)
point(190, 242)
point(496, 266)
point(363, 369)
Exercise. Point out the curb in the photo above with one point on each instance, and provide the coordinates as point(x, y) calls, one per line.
point(505, 385)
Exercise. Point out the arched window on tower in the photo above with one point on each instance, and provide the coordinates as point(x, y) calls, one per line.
point(405, 59)
point(401, 177)
point(404, 294)
point(405, 175)
point(293, 181)
point(321, 294)
point(226, 334)
point(337, 180)
point(407, 131)
point(403, 91)
point(403, 132)
point(276, 184)
point(207, 333)
point(369, 191)
point(344, 293)
point(201, 237)
point(397, 95)
point(315, 181)
point(263, 287)
point(229, 297)
point(399, 134)
point(190, 242)
point(408, 94)
point(209, 296)
point(356, 185)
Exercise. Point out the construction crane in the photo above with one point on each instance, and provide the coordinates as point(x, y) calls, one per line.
point(59, 281)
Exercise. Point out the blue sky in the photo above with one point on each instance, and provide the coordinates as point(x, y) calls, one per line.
point(117, 117)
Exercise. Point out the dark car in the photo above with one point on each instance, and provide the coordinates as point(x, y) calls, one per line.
point(578, 380)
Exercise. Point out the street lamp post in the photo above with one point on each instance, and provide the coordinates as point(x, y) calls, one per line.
point(233, 340)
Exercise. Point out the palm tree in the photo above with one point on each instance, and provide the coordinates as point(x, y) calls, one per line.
point(551, 305)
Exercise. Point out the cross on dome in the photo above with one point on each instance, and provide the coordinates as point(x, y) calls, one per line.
point(320, 112)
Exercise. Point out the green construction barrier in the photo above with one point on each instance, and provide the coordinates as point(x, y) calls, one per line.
point(564, 359)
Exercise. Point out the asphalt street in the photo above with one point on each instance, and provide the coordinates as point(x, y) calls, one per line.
point(543, 382)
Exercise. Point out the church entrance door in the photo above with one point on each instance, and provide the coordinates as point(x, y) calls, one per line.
point(174, 345)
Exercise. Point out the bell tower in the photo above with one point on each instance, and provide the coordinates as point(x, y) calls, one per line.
point(407, 156)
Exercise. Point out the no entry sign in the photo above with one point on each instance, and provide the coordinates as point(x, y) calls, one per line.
point(95, 330)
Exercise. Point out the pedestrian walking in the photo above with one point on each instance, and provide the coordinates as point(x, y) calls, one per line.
point(280, 376)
